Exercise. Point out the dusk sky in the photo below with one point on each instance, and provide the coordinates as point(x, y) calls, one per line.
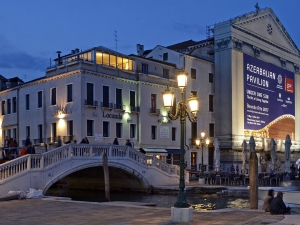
point(33, 30)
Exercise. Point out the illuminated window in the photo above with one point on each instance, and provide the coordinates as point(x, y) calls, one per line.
point(112, 60)
point(105, 59)
point(99, 59)
point(87, 56)
point(120, 63)
point(127, 64)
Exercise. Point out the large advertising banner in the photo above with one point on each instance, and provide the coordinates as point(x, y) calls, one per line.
point(268, 95)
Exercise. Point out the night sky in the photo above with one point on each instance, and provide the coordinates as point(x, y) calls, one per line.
point(33, 30)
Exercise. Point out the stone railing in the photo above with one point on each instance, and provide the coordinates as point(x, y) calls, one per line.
point(82, 151)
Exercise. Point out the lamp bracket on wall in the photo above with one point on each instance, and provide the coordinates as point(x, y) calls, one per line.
point(164, 119)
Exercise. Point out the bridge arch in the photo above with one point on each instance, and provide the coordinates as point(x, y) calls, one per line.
point(121, 166)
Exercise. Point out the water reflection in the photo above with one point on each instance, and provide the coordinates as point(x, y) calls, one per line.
point(198, 202)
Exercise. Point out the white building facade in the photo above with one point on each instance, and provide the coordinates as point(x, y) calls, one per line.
point(103, 94)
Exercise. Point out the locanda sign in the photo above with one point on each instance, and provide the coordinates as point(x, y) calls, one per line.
point(113, 116)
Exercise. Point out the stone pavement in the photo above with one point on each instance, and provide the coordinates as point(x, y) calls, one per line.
point(49, 211)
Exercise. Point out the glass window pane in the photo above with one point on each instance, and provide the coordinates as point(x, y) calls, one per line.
point(105, 59)
point(130, 66)
point(120, 65)
point(99, 56)
point(112, 60)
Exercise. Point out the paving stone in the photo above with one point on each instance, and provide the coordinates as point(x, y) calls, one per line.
point(61, 212)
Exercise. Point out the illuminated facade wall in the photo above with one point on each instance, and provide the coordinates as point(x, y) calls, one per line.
point(262, 104)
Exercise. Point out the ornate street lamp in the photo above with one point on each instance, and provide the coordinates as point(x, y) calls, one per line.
point(182, 111)
point(200, 143)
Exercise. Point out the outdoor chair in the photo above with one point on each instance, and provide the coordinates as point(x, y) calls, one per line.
point(265, 179)
point(275, 178)
point(246, 179)
point(207, 178)
point(225, 178)
point(237, 179)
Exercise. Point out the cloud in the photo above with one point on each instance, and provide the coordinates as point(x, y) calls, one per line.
point(21, 60)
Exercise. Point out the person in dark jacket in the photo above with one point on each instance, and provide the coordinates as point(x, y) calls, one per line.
point(277, 205)
point(30, 149)
point(128, 143)
point(84, 141)
point(116, 142)
point(27, 141)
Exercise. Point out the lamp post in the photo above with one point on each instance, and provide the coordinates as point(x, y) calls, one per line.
point(200, 143)
point(182, 111)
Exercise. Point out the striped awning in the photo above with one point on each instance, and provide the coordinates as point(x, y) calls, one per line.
point(155, 150)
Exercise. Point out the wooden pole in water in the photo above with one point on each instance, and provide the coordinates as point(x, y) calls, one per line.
point(253, 176)
point(106, 177)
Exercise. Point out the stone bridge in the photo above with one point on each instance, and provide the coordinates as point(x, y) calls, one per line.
point(41, 171)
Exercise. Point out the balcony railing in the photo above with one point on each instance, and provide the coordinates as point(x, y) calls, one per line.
point(107, 105)
point(119, 107)
point(134, 109)
point(91, 103)
point(154, 111)
point(39, 141)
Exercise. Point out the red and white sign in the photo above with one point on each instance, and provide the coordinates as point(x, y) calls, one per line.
point(289, 85)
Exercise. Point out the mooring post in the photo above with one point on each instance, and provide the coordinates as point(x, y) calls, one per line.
point(106, 177)
point(253, 176)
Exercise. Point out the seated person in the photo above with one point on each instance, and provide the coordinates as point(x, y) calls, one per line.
point(277, 205)
point(268, 200)
point(23, 151)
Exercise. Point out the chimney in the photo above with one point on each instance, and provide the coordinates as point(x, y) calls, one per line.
point(140, 49)
point(58, 57)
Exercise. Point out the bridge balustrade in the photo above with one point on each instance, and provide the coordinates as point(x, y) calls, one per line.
point(52, 157)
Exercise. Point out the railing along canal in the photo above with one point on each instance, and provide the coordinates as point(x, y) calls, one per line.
point(50, 158)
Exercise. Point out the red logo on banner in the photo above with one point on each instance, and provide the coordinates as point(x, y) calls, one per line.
point(289, 85)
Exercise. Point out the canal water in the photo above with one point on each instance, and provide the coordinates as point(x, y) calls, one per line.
point(199, 202)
